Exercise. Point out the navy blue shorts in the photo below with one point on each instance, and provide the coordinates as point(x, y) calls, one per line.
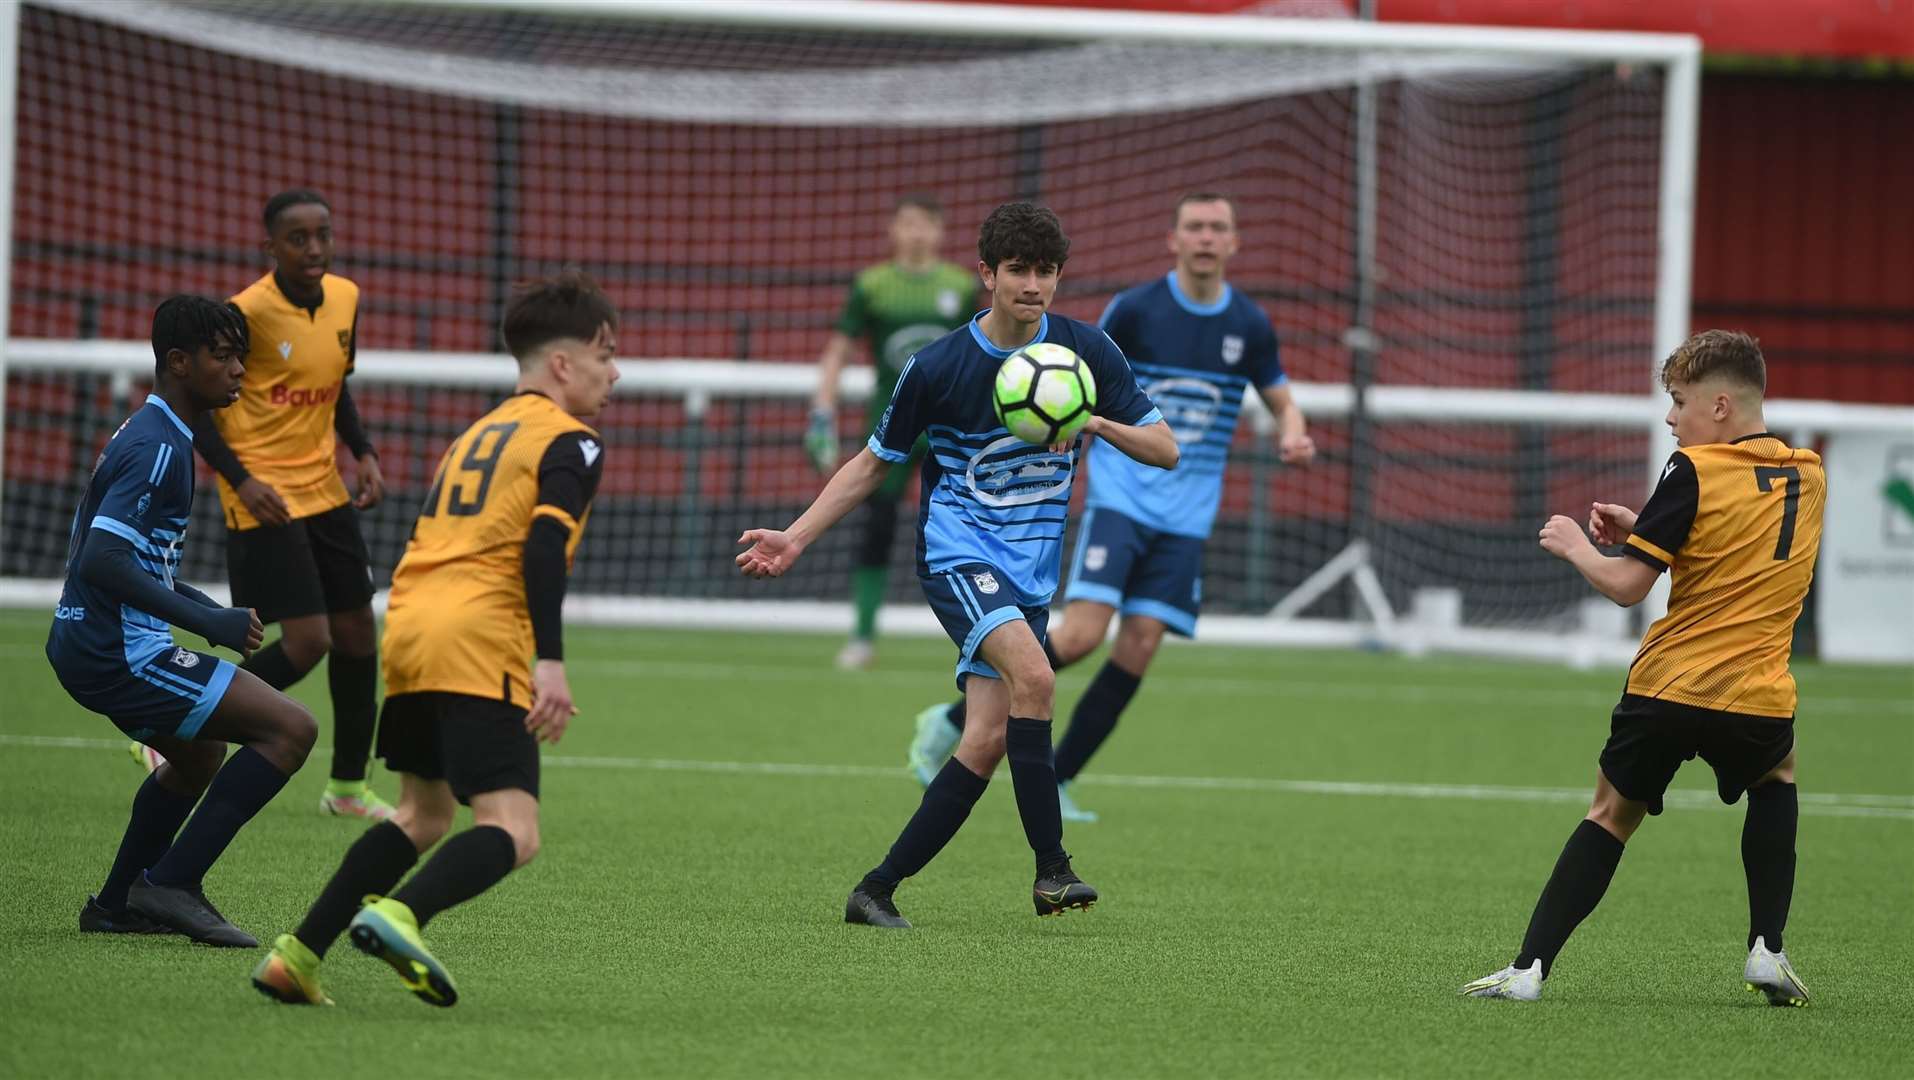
point(171, 694)
point(1138, 570)
point(971, 600)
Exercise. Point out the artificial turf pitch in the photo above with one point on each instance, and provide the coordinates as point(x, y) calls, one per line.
point(1302, 856)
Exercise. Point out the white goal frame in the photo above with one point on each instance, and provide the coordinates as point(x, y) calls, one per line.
point(697, 382)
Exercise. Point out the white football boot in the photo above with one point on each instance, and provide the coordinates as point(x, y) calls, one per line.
point(856, 655)
point(1772, 975)
point(1511, 982)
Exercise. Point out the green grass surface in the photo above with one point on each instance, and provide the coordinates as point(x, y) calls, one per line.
point(685, 915)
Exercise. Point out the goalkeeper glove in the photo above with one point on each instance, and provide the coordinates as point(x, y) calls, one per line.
point(820, 439)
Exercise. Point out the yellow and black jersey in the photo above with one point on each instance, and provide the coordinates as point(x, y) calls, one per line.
point(1739, 526)
point(458, 620)
point(281, 428)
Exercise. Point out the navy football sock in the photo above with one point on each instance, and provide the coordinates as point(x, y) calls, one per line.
point(157, 816)
point(354, 681)
point(954, 714)
point(1767, 857)
point(243, 785)
point(1095, 716)
point(1581, 876)
point(946, 803)
point(1034, 776)
point(468, 864)
point(373, 865)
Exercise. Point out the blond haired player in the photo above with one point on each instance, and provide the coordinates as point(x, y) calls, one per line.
point(1736, 520)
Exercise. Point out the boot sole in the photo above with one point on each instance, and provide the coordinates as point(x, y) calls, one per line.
point(427, 981)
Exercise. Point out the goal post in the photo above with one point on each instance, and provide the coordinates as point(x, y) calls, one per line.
point(725, 168)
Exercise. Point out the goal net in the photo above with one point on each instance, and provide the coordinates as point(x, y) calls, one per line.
point(1464, 241)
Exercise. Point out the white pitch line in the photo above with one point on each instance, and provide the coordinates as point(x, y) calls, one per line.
point(1814, 804)
point(1404, 692)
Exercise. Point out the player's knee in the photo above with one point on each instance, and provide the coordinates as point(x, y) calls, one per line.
point(423, 824)
point(306, 643)
point(1135, 646)
point(524, 842)
point(295, 730)
point(981, 751)
point(190, 771)
point(1031, 681)
point(353, 633)
point(1618, 816)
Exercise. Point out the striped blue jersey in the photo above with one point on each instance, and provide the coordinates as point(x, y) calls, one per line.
point(989, 497)
point(1194, 361)
point(142, 492)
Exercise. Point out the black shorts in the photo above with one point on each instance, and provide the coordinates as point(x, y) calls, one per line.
point(310, 566)
point(474, 744)
point(1649, 738)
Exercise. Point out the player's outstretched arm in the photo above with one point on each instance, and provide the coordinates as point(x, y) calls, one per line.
point(1623, 580)
point(108, 564)
point(774, 551)
point(1152, 444)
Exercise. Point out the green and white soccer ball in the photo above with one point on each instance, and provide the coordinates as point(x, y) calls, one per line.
point(1045, 394)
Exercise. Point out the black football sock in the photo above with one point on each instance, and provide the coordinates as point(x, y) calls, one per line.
point(1034, 776)
point(157, 815)
point(946, 803)
point(1096, 714)
point(272, 667)
point(954, 714)
point(373, 865)
point(468, 864)
point(244, 784)
point(1581, 877)
point(1767, 856)
point(354, 681)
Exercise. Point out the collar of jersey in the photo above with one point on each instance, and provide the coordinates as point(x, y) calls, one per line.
point(1183, 300)
point(311, 312)
point(160, 403)
point(977, 334)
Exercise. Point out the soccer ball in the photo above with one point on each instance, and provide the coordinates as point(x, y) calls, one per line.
point(1044, 394)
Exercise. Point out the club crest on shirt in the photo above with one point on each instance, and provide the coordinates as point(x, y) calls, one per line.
point(139, 508)
point(345, 342)
point(1095, 556)
point(1232, 348)
point(986, 582)
point(947, 301)
point(184, 658)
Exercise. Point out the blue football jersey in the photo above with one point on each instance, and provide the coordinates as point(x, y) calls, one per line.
point(988, 496)
point(1194, 361)
point(142, 492)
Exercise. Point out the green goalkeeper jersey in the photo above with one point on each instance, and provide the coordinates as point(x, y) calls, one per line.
point(898, 312)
